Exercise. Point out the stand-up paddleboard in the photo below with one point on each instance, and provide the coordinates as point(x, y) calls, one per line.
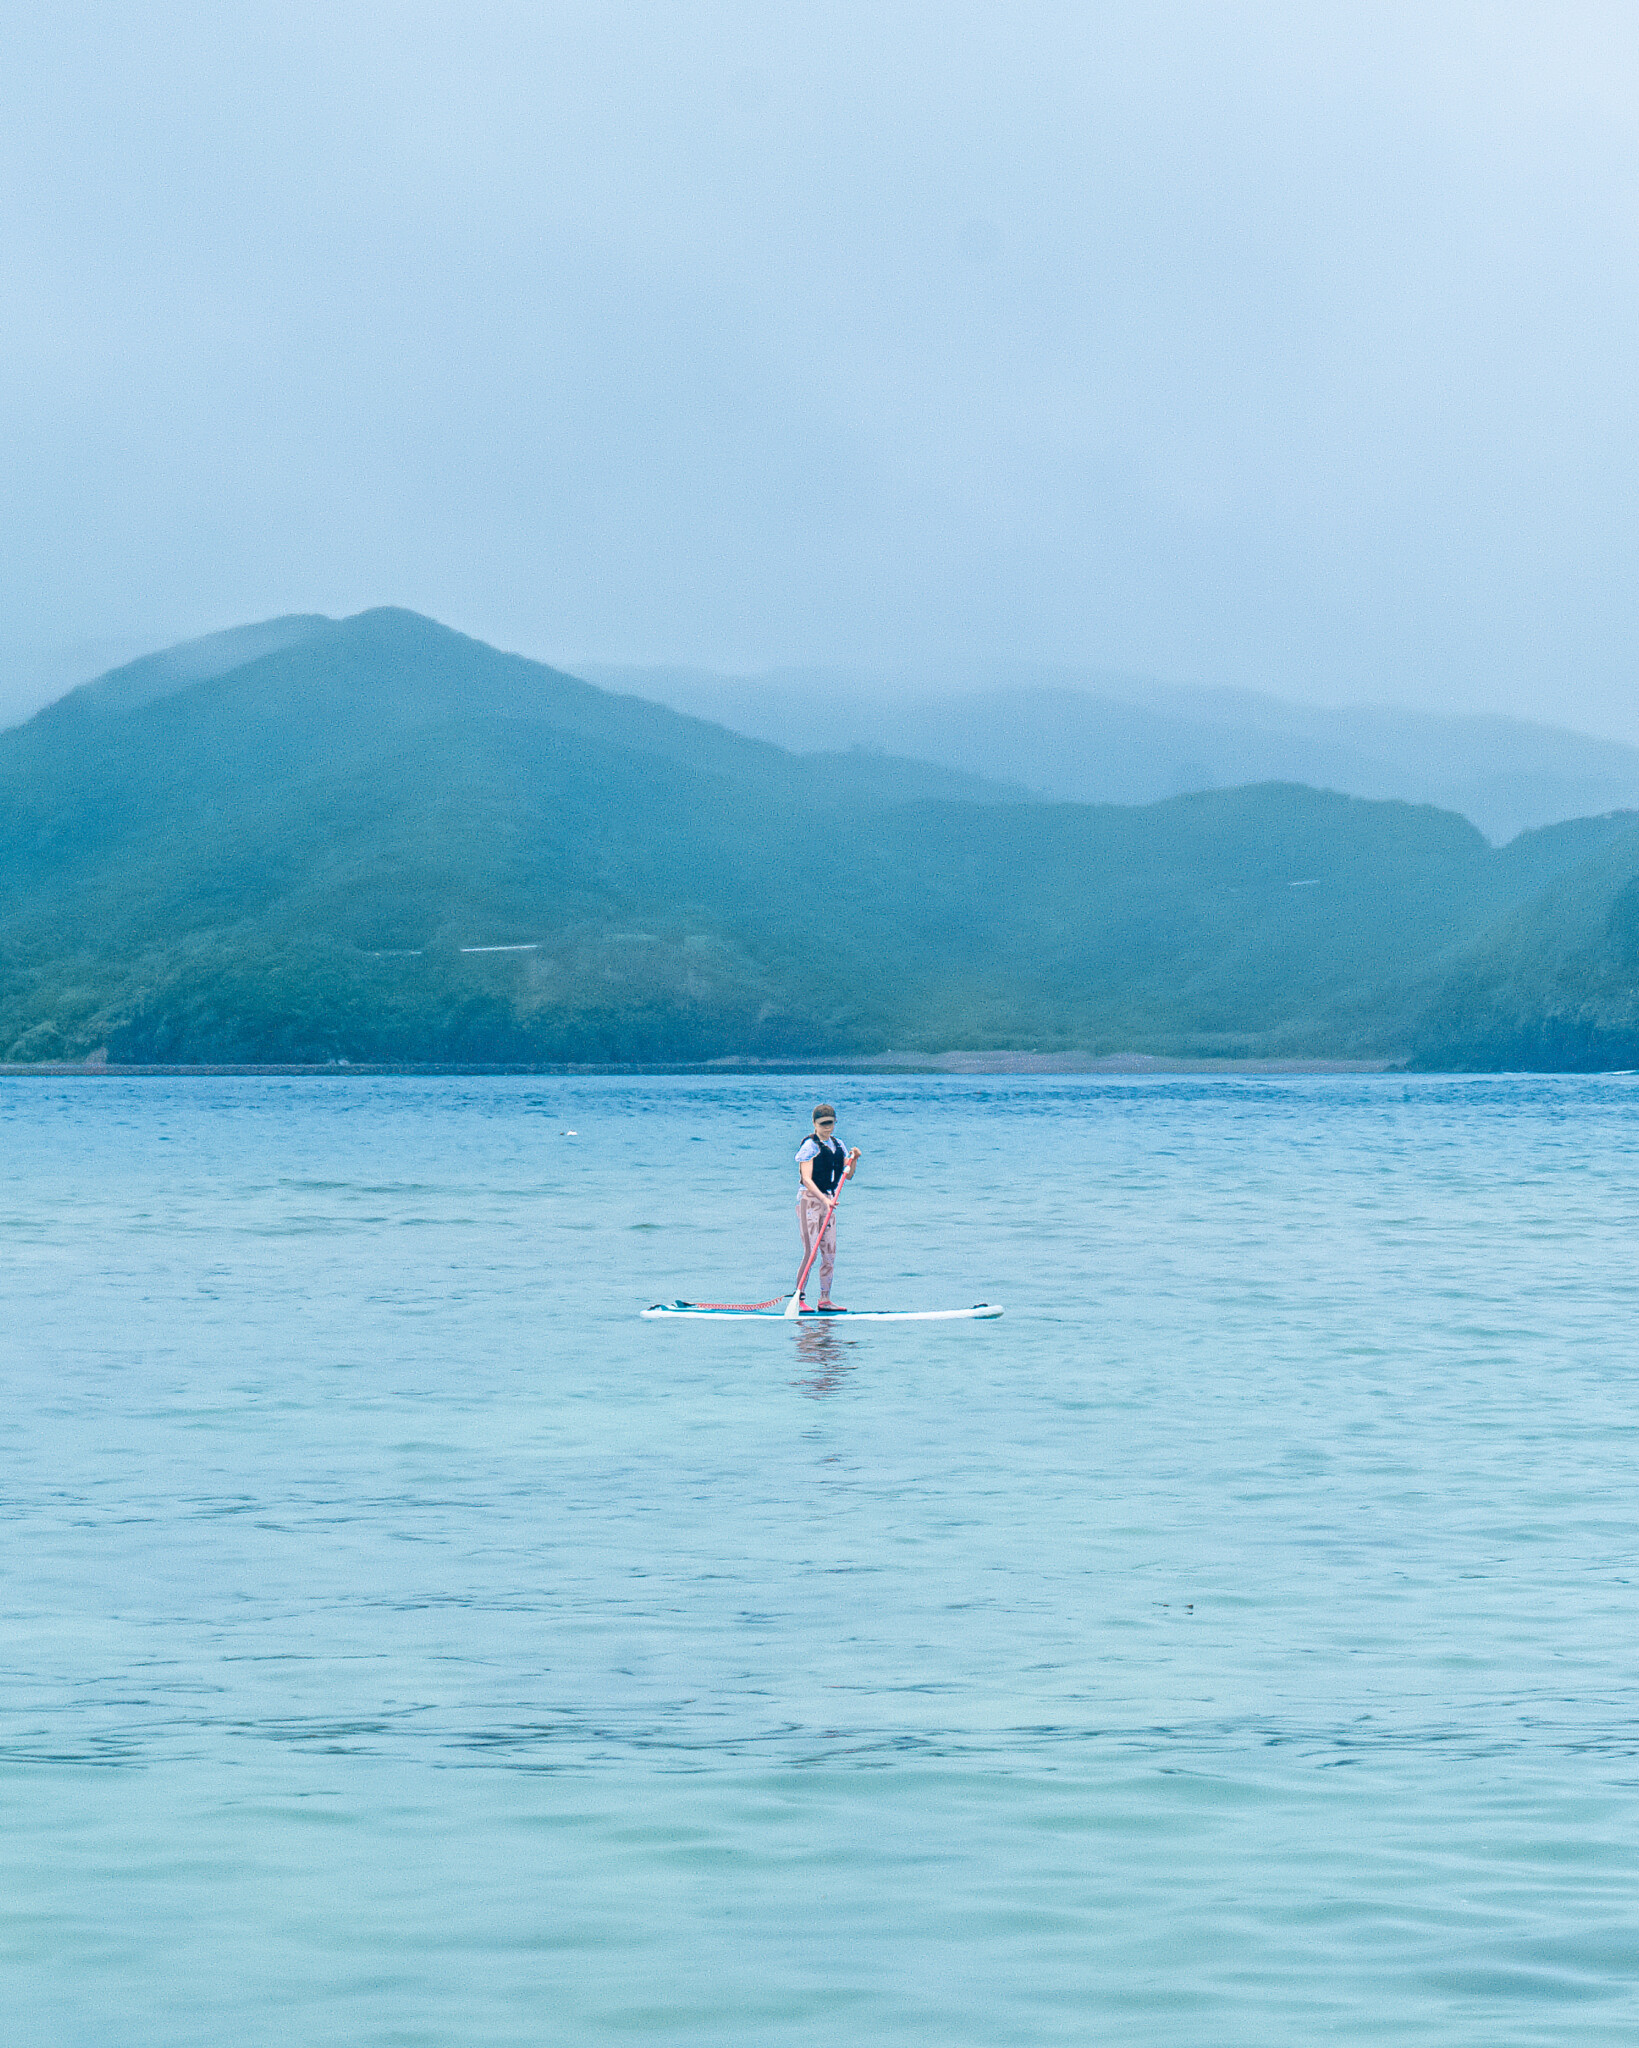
point(790, 1308)
point(981, 1311)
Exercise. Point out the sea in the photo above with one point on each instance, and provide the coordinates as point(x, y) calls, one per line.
point(404, 1642)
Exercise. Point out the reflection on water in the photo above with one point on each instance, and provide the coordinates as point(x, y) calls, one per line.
point(825, 1355)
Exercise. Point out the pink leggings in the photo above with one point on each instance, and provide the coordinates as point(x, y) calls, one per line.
point(811, 1213)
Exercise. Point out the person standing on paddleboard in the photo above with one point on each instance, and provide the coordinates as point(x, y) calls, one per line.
point(824, 1166)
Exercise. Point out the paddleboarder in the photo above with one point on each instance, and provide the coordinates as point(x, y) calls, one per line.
point(824, 1166)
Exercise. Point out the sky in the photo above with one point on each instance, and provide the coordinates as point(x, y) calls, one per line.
point(1287, 347)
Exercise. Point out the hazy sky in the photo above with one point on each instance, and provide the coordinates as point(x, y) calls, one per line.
point(1291, 346)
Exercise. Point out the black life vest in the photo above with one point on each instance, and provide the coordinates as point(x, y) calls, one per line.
point(828, 1165)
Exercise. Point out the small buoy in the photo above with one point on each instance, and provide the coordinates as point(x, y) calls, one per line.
point(571, 1134)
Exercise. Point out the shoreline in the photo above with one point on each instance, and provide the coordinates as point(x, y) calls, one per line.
point(954, 1063)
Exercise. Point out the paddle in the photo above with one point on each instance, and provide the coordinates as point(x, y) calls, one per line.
point(793, 1307)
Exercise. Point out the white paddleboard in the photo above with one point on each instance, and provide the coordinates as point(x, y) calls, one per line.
point(982, 1311)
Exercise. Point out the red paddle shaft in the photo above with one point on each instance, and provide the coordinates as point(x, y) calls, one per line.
point(813, 1250)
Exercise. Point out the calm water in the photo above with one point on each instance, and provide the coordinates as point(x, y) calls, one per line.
point(405, 1644)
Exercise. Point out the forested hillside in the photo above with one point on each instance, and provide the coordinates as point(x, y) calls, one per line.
point(376, 839)
point(1555, 986)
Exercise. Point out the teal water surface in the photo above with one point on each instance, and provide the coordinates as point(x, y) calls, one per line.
point(403, 1642)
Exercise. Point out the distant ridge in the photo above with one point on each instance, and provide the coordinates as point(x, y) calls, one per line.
point(1092, 737)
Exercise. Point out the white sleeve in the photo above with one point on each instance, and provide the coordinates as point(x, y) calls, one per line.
point(810, 1150)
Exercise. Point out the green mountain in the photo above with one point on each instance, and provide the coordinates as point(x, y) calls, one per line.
point(376, 839)
point(1553, 986)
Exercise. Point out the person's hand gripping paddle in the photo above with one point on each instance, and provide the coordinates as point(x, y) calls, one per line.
point(793, 1308)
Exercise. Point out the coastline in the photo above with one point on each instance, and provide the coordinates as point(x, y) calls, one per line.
point(997, 1062)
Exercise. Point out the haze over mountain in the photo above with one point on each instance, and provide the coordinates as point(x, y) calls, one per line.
point(1087, 736)
point(376, 838)
point(1287, 347)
